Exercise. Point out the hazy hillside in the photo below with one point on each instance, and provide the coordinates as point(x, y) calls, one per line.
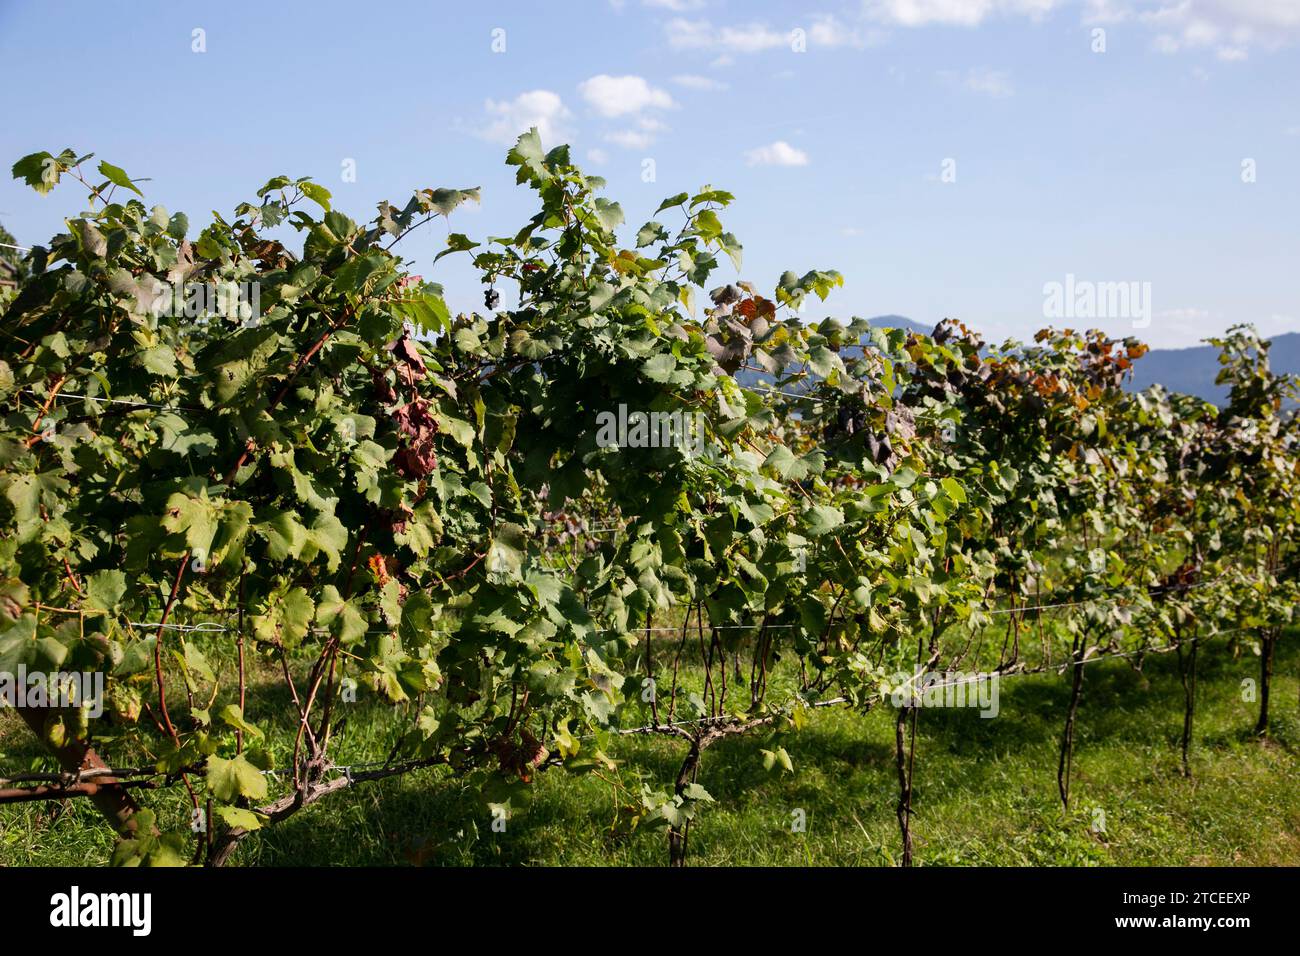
point(1191, 371)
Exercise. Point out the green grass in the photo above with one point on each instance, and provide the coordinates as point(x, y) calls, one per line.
point(985, 791)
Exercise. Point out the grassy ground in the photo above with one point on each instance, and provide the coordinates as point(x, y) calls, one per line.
point(985, 791)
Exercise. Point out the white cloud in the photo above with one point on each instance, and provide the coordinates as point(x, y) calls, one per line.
point(829, 31)
point(689, 34)
point(822, 30)
point(702, 35)
point(779, 153)
point(753, 38)
point(1227, 28)
point(540, 108)
point(597, 156)
point(915, 13)
point(676, 6)
point(1106, 11)
point(1229, 15)
point(963, 13)
point(692, 82)
point(622, 95)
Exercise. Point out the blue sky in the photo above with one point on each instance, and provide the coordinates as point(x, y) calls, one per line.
point(1117, 166)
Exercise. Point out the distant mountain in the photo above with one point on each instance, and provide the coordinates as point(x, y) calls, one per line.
point(899, 322)
point(1191, 371)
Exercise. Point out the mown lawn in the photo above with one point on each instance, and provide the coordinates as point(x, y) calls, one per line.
point(985, 791)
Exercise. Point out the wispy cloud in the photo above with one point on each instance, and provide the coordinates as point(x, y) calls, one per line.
point(827, 30)
point(1106, 12)
point(702, 35)
point(994, 83)
point(1229, 29)
point(981, 80)
point(819, 30)
point(691, 81)
point(676, 6)
point(638, 137)
point(779, 153)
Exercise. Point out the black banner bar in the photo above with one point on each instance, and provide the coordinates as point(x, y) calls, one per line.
point(352, 905)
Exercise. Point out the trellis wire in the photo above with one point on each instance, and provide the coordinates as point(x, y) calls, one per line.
point(347, 769)
point(110, 401)
point(213, 626)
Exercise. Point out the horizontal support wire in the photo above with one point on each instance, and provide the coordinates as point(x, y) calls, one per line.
point(213, 626)
point(347, 769)
point(120, 401)
point(111, 401)
point(127, 775)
